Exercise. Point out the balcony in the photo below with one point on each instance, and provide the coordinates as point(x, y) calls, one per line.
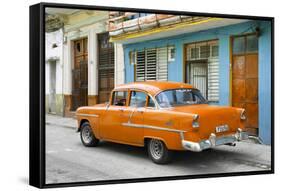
point(124, 23)
point(129, 27)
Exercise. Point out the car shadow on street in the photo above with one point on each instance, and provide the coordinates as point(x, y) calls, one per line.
point(132, 151)
point(180, 158)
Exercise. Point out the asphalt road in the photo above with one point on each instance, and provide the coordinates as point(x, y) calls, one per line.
point(67, 160)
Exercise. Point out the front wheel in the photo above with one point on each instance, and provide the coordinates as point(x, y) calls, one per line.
point(87, 136)
point(158, 151)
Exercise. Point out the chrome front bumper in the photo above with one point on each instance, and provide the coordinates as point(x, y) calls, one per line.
point(214, 141)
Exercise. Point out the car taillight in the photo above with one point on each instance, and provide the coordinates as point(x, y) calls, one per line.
point(195, 123)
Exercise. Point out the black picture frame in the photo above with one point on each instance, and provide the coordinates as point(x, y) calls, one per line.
point(37, 93)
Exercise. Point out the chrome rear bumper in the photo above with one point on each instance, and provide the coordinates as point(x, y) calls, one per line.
point(214, 141)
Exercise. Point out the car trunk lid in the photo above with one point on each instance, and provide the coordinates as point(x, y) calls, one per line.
point(219, 120)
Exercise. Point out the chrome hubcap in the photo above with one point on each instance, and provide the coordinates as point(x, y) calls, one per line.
point(156, 148)
point(87, 135)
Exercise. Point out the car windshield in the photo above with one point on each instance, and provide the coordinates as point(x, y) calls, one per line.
point(177, 97)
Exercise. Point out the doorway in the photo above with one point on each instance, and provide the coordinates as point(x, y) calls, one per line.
point(245, 78)
point(201, 68)
point(80, 74)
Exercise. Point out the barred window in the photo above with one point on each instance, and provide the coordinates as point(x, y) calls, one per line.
point(203, 68)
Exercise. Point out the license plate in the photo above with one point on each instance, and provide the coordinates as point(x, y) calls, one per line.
point(222, 128)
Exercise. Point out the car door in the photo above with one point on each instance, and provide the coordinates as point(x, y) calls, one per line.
point(133, 118)
point(111, 123)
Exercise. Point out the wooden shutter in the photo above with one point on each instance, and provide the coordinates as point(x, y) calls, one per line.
point(105, 67)
point(150, 69)
point(151, 64)
point(213, 79)
point(140, 66)
point(162, 64)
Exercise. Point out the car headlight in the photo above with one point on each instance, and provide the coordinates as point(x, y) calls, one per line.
point(243, 115)
point(195, 123)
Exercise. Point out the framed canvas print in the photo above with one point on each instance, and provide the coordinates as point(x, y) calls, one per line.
point(123, 95)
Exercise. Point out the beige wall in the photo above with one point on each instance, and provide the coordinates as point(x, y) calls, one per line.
point(79, 26)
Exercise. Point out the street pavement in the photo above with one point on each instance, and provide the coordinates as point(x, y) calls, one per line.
point(67, 160)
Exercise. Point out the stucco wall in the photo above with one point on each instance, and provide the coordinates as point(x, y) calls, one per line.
point(223, 34)
point(265, 82)
point(83, 26)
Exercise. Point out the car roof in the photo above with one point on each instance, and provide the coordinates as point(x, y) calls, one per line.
point(153, 87)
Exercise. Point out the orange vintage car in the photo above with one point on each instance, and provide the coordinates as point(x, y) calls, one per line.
point(162, 116)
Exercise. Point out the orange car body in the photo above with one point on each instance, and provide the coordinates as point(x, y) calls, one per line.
point(217, 125)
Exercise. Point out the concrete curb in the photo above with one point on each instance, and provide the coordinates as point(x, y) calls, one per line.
point(61, 121)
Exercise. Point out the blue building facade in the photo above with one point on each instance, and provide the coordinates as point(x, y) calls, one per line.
point(223, 36)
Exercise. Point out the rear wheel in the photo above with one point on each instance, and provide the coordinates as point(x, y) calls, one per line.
point(87, 136)
point(158, 151)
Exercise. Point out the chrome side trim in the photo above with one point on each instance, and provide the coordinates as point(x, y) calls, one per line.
point(152, 127)
point(87, 115)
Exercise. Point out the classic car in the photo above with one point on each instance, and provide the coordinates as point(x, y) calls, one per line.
point(162, 116)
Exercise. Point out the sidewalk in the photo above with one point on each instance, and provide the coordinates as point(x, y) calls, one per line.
point(72, 123)
point(61, 121)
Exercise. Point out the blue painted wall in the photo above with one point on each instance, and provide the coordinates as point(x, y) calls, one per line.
point(265, 82)
point(223, 34)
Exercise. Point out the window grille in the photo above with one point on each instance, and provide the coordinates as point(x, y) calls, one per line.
point(203, 68)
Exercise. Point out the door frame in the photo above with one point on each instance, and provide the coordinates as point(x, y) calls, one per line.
point(231, 56)
point(72, 65)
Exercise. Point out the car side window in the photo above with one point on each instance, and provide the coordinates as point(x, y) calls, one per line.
point(138, 99)
point(119, 98)
point(150, 102)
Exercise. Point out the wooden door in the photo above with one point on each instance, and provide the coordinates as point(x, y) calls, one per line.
point(80, 74)
point(245, 79)
point(105, 67)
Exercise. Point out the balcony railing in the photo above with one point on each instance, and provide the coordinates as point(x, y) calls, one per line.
point(122, 23)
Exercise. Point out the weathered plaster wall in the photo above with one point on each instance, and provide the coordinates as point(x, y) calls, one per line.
point(54, 56)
